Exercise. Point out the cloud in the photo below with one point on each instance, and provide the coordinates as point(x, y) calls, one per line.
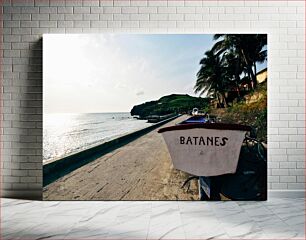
point(140, 93)
point(88, 72)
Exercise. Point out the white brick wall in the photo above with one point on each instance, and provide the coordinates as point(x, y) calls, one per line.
point(24, 22)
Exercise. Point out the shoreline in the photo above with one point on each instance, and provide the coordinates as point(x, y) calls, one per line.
point(59, 167)
point(77, 151)
point(139, 170)
point(51, 160)
point(84, 126)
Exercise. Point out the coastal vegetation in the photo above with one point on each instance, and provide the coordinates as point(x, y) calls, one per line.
point(174, 103)
point(228, 70)
point(228, 74)
point(251, 111)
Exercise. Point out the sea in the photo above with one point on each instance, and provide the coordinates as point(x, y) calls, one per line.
point(65, 134)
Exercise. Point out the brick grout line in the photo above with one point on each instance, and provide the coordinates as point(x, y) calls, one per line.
point(1, 109)
point(24, 23)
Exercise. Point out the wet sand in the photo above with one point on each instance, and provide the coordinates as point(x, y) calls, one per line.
point(140, 170)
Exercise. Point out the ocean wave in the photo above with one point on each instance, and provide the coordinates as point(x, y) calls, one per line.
point(81, 131)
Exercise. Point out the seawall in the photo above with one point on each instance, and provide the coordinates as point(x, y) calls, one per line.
point(59, 168)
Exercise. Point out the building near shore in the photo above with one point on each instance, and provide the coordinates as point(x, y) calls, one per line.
point(262, 76)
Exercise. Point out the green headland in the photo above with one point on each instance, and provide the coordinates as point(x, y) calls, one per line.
point(174, 103)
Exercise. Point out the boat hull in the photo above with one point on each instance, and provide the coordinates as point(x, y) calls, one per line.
point(203, 151)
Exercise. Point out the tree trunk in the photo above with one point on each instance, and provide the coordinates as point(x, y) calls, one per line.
point(237, 78)
point(255, 71)
point(224, 100)
point(250, 70)
point(249, 76)
point(219, 100)
point(253, 76)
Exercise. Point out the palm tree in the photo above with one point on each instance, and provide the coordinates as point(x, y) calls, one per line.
point(247, 47)
point(258, 53)
point(234, 68)
point(211, 78)
point(254, 53)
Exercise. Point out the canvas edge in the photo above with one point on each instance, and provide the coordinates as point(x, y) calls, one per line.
point(37, 194)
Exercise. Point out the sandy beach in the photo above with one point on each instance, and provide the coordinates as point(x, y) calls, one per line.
point(140, 170)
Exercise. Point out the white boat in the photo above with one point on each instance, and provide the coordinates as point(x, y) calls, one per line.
point(205, 149)
point(195, 111)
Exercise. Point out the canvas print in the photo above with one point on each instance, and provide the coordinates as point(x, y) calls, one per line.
point(155, 117)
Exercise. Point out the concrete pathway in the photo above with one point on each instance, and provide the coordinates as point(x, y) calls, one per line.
point(140, 170)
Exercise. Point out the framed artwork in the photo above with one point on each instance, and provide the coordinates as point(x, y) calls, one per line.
point(155, 117)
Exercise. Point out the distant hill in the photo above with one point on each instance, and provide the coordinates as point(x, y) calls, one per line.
point(174, 103)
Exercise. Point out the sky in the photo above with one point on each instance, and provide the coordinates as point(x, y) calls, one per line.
point(85, 73)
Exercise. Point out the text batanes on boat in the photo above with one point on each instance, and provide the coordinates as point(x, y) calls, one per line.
point(196, 148)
